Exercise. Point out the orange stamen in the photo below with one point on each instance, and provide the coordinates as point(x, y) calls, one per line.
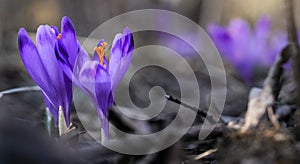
point(100, 52)
point(58, 36)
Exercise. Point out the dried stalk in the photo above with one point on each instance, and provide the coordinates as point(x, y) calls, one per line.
point(258, 105)
point(293, 39)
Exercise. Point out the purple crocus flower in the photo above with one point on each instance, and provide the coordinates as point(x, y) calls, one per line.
point(178, 45)
point(245, 48)
point(42, 65)
point(97, 77)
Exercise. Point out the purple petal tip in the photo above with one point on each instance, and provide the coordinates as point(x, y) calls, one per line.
point(67, 25)
point(127, 30)
point(23, 38)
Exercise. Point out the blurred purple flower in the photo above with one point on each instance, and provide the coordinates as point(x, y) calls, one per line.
point(42, 65)
point(245, 48)
point(97, 77)
point(179, 45)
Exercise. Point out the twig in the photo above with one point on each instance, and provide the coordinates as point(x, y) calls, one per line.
point(208, 152)
point(201, 112)
point(293, 39)
point(171, 98)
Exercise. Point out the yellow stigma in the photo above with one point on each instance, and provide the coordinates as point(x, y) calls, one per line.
point(58, 36)
point(100, 52)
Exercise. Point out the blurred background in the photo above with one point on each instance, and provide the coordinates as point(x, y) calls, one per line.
point(87, 15)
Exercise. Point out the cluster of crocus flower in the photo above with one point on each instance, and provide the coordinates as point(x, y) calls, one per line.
point(245, 48)
point(58, 60)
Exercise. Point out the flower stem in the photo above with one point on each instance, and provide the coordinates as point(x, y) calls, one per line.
point(21, 89)
point(49, 121)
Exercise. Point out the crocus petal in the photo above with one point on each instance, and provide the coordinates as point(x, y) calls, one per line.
point(55, 29)
point(88, 72)
point(261, 37)
point(69, 44)
point(34, 65)
point(66, 101)
point(45, 43)
point(103, 95)
point(240, 31)
point(81, 59)
point(72, 72)
point(102, 86)
point(87, 80)
point(222, 39)
point(262, 27)
point(235, 43)
point(67, 50)
point(121, 54)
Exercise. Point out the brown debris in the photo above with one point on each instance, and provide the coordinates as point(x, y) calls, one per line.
point(257, 108)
